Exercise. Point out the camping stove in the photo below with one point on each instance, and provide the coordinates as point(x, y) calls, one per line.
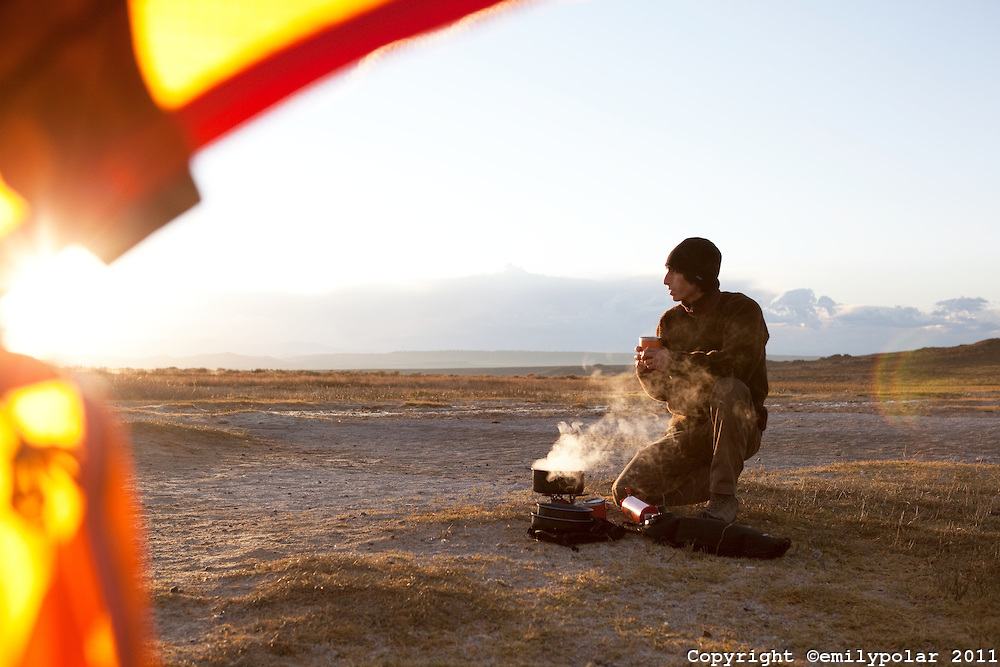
point(561, 513)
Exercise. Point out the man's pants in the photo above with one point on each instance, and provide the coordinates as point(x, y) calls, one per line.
point(696, 457)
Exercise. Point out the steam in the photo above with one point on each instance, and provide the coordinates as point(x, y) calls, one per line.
point(611, 442)
point(607, 444)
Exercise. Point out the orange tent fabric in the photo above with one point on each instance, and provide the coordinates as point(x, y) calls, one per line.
point(71, 562)
point(102, 102)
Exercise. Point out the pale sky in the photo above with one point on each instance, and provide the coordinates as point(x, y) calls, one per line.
point(843, 155)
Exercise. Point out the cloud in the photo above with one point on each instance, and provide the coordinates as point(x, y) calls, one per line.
point(504, 311)
point(509, 310)
point(802, 324)
point(885, 316)
point(800, 306)
point(516, 310)
point(961, 310)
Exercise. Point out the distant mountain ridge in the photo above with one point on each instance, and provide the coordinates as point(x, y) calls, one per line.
point(456, 360)
point(980, 359)
point(983, 354)
point(416, 360)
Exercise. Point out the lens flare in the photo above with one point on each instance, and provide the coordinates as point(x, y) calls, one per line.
point(893, 379)
point(13, 209)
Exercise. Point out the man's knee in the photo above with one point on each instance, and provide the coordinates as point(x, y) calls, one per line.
point(732, 398)
point(619, 490)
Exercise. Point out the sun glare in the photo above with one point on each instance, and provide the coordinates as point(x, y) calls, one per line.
point(50, 311)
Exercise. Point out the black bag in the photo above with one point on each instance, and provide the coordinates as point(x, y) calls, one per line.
point(714, 537)
point(600, 531)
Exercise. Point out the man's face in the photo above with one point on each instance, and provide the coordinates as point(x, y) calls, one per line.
point(680, 288)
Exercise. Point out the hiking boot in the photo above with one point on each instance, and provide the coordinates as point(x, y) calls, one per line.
point(721, 508)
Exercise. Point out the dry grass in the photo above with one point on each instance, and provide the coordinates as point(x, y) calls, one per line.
point(963, 376)
point(355, 387)
point(906, 554)
point(886, 556)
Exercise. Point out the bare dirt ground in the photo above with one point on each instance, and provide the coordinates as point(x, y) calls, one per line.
point(224, 488)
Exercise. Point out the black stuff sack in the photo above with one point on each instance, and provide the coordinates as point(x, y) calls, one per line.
point(600, 530)
point(713, 537)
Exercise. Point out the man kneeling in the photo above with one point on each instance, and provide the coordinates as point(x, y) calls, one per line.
point(709, 368)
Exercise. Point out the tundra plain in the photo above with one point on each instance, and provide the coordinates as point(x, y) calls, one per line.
point(380, 518)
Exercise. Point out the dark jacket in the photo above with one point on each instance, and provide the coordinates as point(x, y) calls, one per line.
point(720, 335)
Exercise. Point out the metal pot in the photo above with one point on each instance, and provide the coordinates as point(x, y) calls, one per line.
point(598, 507)
point(552, 482)
point(539, 522)
point(564, 511)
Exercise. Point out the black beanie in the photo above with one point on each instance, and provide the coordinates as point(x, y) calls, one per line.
point(699, 260)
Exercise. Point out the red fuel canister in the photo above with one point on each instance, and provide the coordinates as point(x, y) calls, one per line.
point(636, 510)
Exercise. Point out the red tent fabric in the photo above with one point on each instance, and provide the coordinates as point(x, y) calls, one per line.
point(96, 160)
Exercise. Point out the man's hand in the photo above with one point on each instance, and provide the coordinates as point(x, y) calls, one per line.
point(651, 358)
